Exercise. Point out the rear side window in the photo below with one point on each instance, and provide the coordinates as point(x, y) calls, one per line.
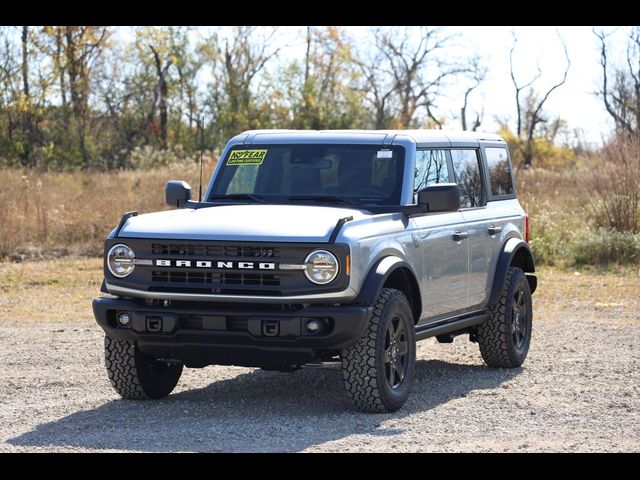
point(467, 171)
point(499, 171)
point(431, 168)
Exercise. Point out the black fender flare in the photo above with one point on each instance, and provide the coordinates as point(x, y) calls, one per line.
point(518, 249)
point(378, 275)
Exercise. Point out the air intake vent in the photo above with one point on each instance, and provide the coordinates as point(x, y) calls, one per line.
point(217, 251)
point(215, 278)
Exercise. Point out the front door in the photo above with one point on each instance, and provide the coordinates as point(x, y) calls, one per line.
point(444, 255)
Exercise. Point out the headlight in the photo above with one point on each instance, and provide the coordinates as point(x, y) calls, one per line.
point(120, 260)
point(321, 267)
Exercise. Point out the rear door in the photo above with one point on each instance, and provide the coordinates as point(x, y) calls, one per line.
point(499, 213)
point(470, 177)
point(444, 260)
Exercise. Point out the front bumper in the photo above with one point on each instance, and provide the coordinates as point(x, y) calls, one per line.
point(232, 334)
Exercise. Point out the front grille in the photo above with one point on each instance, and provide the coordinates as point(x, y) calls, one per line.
point(216, 278)
point(218, 251)
point(229, 279)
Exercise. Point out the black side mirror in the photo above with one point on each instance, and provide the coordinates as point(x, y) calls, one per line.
point(441, 197)
point(177, 193)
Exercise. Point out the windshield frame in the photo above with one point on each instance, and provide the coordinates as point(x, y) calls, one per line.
point(287, 197)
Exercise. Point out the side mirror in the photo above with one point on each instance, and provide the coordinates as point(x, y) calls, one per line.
point(441, 197)
point(177, 193)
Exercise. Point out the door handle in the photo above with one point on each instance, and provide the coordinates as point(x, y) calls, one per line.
point(494, 230)
point(459, 235)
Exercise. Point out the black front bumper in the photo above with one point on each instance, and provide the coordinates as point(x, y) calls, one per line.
point(225, 334)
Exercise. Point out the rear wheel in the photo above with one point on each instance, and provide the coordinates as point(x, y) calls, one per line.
point(137, 376)
point(379, 370)
point(505, 337)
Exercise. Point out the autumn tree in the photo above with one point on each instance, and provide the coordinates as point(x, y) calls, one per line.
point(82, 46)
point(620, 91)
point(236, 62)
point(318, 91)
point(529, 105)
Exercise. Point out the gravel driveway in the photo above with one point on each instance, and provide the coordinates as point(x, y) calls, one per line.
point(577, 391)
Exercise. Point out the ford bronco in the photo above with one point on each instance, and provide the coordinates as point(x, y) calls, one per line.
point(323, 248)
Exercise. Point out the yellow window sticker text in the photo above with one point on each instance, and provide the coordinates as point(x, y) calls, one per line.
point(246, 157)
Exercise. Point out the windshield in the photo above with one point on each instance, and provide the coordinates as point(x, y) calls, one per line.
point(357, 174)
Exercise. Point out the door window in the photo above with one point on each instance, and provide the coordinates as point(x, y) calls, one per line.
point(431, 168)
point(499, 171)
point(467, 173)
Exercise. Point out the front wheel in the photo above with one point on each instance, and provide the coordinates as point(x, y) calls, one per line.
point(137, 376)
point(505, 337)
point(379, 369)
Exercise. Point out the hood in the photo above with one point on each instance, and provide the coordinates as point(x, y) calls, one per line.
point(292, 223)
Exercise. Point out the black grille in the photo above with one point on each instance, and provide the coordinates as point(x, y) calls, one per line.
point(218, 251)
point(230, 280)
point(216, 278)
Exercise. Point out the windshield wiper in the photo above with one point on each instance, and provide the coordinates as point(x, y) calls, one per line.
point(326, 199)
point(238, 196)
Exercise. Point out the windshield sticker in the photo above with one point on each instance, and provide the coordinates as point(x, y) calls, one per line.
point(385, 154)
point(247, 157)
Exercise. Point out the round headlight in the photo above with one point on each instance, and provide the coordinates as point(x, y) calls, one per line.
point(321, 267)
point(120, 260)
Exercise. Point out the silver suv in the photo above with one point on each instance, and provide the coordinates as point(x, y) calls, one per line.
point(323, 248)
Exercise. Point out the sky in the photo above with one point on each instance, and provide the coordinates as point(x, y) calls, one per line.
point(575, 101)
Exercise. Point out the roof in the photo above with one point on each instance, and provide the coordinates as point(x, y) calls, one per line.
point(373, 136)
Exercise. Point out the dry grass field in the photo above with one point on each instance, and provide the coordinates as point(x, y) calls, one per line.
point(57, 214)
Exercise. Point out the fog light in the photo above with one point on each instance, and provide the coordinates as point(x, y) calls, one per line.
point(313, 326)
point(124, 319)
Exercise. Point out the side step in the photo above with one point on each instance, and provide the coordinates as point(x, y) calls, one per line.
point(449, 325)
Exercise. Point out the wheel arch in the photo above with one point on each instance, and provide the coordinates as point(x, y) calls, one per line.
point(515, 253)
point(392, 272)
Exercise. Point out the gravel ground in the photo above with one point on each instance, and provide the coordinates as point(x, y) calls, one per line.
point(577, 391)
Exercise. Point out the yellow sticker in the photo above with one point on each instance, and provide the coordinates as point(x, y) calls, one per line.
point(246, 157)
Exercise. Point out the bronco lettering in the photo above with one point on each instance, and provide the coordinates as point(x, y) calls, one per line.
point(215, 265)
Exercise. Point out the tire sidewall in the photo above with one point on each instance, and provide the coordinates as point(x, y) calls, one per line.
point(518, 355)
point(394, 398)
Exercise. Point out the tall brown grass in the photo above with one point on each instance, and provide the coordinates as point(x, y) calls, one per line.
point(62, 213)
point(614, 182)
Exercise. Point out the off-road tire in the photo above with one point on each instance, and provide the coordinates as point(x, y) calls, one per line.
point(363, 363)
point(136, 376)
point(496, 335)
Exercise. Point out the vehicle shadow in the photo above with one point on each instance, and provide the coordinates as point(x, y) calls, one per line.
point(257, 411)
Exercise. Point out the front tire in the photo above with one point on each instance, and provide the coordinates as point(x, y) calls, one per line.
point(137, 376)
point(505, 337)
point(379, 369)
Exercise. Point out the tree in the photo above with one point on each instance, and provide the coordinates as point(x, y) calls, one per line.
point(82, 46)
point(236, 63)
point(406, 73)
point(529, 114)
point(318, 92)
point(477, 73)
point(621, 84)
